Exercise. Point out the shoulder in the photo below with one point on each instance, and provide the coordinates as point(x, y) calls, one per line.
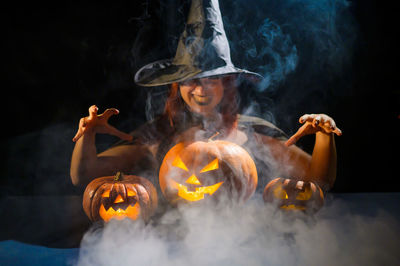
point(260, 126)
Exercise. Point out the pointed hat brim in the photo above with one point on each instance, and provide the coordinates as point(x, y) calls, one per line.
point(203, 51)
point(164, 72)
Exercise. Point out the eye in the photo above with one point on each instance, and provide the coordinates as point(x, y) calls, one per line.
point(178, 163)
point(131, 193)
point(280, 193)
point(189, 83)
point(106, 194)
point(211, 82)
point(211, 166)
point(306, 195)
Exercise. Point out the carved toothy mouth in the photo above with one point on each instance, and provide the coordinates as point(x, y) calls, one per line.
point(132, 212)
point(293, 207)
point(199, 192)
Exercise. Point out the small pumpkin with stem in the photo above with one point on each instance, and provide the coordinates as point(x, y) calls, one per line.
point(119, 197)
point(291, 194)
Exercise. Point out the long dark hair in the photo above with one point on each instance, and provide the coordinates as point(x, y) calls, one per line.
point(228, 107)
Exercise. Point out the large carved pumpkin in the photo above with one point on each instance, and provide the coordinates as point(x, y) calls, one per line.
point(192, 172)
point(118, 197)
point(290, 194)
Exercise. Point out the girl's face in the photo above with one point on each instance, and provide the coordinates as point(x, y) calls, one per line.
point(202, 95)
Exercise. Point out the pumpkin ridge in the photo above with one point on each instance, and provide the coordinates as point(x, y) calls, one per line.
point(101, 183)
point(93, 209)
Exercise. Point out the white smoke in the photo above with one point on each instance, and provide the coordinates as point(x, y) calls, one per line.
point(316, 34)
point(248, 234)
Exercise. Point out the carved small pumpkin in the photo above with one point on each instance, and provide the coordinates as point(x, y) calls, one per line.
point(290, 194)
point(194, 171)
point(118, 197)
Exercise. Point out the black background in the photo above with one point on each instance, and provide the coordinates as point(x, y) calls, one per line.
point(60, 58)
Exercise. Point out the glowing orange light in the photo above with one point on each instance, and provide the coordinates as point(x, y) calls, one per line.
point(211, 166)
point(131, 193)
point(193, 180)
point(199, 192)
point(131, 212)
point(280, 193)
point(119, 199)
point(291, 194)
point(293, 207)
point(194, 159)
point(306, 195)
point(178, 163)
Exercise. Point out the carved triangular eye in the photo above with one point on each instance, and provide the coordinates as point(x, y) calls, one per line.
point(193, 180)
point(178, 163)
point(280, 193)
point(106, 194)
point(305, 195)
point(211, 166)
point(131, 193)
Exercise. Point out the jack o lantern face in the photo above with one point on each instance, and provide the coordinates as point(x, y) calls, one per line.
point(119, 203)
point(120, 196)
point(293, 195)
point(192, 182)
point(199, 170)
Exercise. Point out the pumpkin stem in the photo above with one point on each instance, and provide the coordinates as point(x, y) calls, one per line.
point(118, 176)
point(213, 136)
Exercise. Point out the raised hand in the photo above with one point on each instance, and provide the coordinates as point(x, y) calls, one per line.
point(314, 123)
point(99, 123)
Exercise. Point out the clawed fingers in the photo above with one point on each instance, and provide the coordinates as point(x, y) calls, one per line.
point(321, 121)
point(329, 125)
point(99, 123)
point(83, 122)
point(317, 121)
point(81, 129)
point(300, 133)
point(306, 118)
point(292, 140)
point(109, 112)
point(77, 135)
point(93, 111)
point(337, 131)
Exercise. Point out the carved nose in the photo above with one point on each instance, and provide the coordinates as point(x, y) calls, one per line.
point(193, 180)
point(119, 199)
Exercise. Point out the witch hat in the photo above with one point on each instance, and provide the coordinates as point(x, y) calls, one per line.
point(203, 51)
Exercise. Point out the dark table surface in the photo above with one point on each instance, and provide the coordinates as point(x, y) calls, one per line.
point(41, 230)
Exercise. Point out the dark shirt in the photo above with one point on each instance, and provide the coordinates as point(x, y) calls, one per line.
point(159, 133)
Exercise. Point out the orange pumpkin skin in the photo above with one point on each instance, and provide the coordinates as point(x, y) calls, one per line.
point(119, 197)
point(290, 194)
point(190, 172)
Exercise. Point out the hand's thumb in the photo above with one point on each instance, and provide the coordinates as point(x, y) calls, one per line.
point(122, 135)
point(296, 136)
point(292, 140)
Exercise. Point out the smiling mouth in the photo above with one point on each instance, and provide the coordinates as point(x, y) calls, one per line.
point(132, 212)
point(199, 192)
point(201, 100)
point(293, 207)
